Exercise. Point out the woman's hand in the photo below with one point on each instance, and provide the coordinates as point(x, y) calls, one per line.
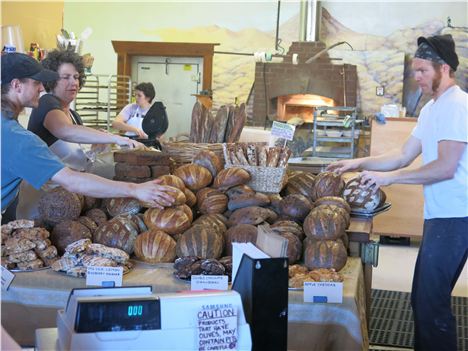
point(343, 166)
point(141, 134)
point(156, 195)
point(132, 144)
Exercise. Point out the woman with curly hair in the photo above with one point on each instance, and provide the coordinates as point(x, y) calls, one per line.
point(57, 124)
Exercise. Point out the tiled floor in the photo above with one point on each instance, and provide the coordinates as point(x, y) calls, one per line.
point(396, 266)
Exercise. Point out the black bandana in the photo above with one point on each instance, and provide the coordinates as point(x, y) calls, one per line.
point(426, 52)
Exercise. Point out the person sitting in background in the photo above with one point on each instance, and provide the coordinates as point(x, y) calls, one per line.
point(130, 119)
point(57, 124)
point(25, 156)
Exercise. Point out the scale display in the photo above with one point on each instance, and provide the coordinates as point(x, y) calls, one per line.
point(108, 316)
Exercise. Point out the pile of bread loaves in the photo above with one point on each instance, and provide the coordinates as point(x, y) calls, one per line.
point(213, 208)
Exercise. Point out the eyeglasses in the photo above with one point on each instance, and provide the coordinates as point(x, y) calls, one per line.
point(69, 76)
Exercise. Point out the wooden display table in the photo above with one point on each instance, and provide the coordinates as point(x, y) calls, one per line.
point(33, 299)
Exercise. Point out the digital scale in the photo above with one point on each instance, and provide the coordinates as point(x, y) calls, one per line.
point(133, 318)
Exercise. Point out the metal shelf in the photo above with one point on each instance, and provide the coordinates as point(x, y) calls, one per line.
point(98, 100)
point(346, 116)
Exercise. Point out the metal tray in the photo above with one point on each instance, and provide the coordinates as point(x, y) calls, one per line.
point(368, 214)
point(17, 270)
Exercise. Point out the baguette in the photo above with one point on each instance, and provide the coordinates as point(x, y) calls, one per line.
point(284, 157)
point(241, 156)
point(263, 156)
point(273, 156)
point(252, 155)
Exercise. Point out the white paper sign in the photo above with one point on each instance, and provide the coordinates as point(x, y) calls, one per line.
point(104, 276)
point(323, 292)
point(217, 327)
point(7, 278)
point(209, 282)
point(283, 130)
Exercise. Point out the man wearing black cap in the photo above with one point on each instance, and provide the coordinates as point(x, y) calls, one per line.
point(25, 156)
point(441, 136)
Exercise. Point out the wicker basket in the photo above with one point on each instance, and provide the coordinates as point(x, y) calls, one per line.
point(265, 179)
point(183, 152)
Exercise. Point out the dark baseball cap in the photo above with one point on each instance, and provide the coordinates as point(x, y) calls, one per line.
point(444, 46)
point(16, 65)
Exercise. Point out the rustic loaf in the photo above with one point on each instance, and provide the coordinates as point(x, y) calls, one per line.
point(241, 233)
point(172, 220)
point(211, 201)
point(194, 176)
point(231, 177)
point(172, 180)
point(252, 215)
point(325, 254)
point(340, 210)
point(209, 160)
point(246, 200)
point(294, 247)
point(58, 205)
point(327, 184)
point(119, 232)
point(67, 232)
point(301, 183)
point(333, 200)
point(288, 227)
point(121, 205)
point(324, 224)
point(97, 215)
point(295, 206)
point(191, 198)
point(155, 246)
point(239, 190)
point(360, 197)
point(200, 241)
point(215, 221)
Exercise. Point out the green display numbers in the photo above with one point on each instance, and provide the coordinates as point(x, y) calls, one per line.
point(135, 310)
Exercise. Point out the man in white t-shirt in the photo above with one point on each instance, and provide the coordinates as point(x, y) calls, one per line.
point(441, 135)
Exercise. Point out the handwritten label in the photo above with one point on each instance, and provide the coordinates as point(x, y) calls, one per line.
point(104, 276)
point(7, 278)
point(283, 130)
point(217, 327)
point(209, 282)
point(324, 292)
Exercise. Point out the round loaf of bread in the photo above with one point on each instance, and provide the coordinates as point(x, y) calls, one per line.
point(67, 232)
point(121, 205)
point(210, 161)
point(155, 246)
point(239, 190)
point(97, 215)
point(230, 177)
point(200, 241)
point(288, 227)
point(177, 194)
point(325, 254)
point(194, 176)
point(211, 201)
point(172, 180)
point(172, 220)
point(363, 198)
point(88, 223)
point(91, 202)
point(58, 205)
point(295, 206)
point(252, 215)
point(327, 184)
point(216, 221)
point(241, 233)
point(324, 224)
point(301, 183)
point(246, 200)
point(340, 210)
point(333, 200)
point(119, 232)
point(191, 199)
point(294, 247)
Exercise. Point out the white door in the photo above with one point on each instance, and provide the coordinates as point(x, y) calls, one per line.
point(175, 80)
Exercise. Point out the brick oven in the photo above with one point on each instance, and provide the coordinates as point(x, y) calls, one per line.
point(284, 90)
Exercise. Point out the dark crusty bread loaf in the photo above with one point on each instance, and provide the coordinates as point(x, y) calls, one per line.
point(230, 177)
point(201, 241)
point(209, 160)
point(241, 233)
point(252, 215)
point(68, 232)
point(58, 205)
point(119, 232)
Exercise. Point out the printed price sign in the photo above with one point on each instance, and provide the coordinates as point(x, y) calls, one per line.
point(209, 282)
point(217, 327)
point(7, 278)
point(325, 292)
point(104, 276)
point(283, 130)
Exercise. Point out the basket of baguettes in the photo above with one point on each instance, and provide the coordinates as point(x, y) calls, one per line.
point(207, 132)
point(266, 165)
